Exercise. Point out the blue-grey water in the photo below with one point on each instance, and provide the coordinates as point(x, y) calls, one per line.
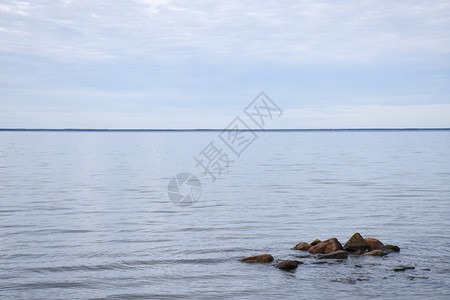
point(86, 215)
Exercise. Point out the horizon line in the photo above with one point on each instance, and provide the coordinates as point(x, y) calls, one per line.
point(216, 130)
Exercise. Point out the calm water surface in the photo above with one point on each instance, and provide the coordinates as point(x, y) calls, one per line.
point(86, 215)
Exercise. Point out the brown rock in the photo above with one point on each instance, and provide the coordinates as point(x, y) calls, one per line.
point(288, 265)
point(340, 254)
point(327, 246)
point(402, 268)
point(376, 253)
point(389, 248)
point(302, 246)
point(315, 242)
point(355, 243)
point(373, 243)
point(263, 258)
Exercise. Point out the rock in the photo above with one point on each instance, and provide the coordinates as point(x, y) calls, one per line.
point(340, 254)
point(376, 253)
point(315, 242)
point(373, 243)
point(335, 261)
point(356, 243)
point(362, 279)
point(402, 268)
point(263, 258)
point(288, 265)
point(327, 246)
point(303, 256)
point(358, 266)
point(413, 277)
point(344, 280)
point(302, 246)
point(389, 248)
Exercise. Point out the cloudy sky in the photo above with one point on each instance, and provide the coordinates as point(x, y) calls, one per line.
point(197, 64)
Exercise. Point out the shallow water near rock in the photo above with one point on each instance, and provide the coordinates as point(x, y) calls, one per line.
point(87, 216)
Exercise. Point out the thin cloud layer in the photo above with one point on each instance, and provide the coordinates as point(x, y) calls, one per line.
point(77, 55)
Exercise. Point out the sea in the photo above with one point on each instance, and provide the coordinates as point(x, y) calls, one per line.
point(94, 215)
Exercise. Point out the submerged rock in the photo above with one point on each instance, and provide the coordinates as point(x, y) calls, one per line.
point(262, 258)
point(413, 277)
point(288, 265)
point(376, 253)
point(373, 243)
point(303, 256)
point(302, 246)
point(344, 280)
point(389, 248)
point(356, 243)
point(315, 242)
point(340, 254)
point(327, 246)
point(403, 268)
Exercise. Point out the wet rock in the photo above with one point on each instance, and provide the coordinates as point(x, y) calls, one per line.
point(263, 258)
point(362, 279)
point(373, 243)
point(344, 280)
point(340, 254)
point(413, 277)
point(315, 242)
point(356, 243)
point(302, 246)
point(389, 248)
point(303, 256)
point(358, 266)
point(403, 268)
point(319, 262)
point(327, 246)
point(288, 265)
point(376, 253)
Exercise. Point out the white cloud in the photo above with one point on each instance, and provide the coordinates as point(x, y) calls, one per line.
point(16, 7)
point(155, 6)
point(301, 31)
point(174, 51)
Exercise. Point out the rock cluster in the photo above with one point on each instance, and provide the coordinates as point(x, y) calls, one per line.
point(331, 249)
point(355, 245)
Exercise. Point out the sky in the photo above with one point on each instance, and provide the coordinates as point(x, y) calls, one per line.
point(198, 64)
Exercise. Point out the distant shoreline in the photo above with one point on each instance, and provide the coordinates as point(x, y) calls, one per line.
point(216, 130)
